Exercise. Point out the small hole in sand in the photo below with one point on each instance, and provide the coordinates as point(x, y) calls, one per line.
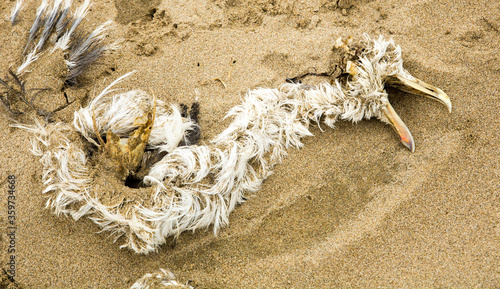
point(134, 182)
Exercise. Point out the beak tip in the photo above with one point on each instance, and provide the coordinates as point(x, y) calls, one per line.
point(446, 101)
point(443, 97)
point(403, 132)
point(409, 145)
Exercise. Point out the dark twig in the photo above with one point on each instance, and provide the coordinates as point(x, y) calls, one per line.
point(38, 90)
point(49, 114)
point(21, 93)
point(297, 79)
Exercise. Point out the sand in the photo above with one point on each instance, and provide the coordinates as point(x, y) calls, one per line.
point(352, 209)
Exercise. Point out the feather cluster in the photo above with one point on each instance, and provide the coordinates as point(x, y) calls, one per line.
point(198, 186)
point(81, 49)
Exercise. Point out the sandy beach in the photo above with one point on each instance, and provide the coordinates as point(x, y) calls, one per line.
point(352, 209)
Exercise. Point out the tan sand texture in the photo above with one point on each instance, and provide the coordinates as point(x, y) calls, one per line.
point(353, 208)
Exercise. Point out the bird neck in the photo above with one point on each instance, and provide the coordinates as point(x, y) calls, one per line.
point(271, 120)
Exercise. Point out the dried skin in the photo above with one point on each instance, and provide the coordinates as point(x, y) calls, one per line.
point(127, 154)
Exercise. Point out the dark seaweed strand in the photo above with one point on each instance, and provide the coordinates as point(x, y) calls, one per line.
point(22, 93)
point(19, 93)
point(5, 102)
point(4, 83)
point(297, 79)
point(6, 105)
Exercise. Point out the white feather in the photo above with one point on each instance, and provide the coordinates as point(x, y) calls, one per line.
point(15, 11)
point(80, 13)
point(30, 58)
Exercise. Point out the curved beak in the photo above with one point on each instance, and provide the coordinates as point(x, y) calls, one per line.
point(400, 127)
point(412, 85)
point(416, 86)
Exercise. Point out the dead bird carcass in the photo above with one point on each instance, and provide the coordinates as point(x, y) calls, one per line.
point(197, 186)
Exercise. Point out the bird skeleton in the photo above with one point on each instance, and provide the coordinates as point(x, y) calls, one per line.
point(197, 186)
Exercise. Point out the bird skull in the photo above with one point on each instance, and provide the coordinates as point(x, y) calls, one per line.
point(384, 57)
